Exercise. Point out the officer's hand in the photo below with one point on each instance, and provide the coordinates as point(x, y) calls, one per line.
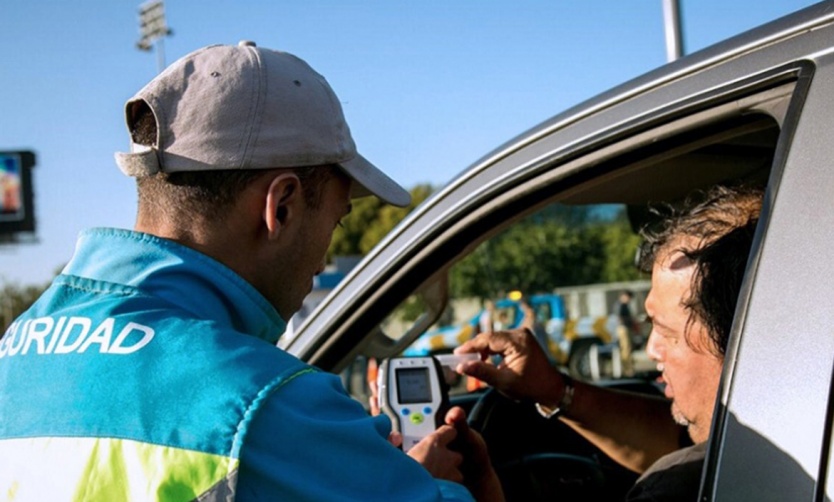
point(524, 371)
point(395, 438)
point(373, 386)
point(478, 475)
point(434, 454)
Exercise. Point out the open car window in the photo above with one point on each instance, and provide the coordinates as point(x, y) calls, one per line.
point(551, 242)
point(557, 250)
point(728, 135)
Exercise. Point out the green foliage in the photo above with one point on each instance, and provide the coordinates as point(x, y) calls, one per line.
point(557, 246)
point(15, 299)
point(411, 309)
point(560, 246)
point(369, 222)
point(621, 249)
point(348, 237)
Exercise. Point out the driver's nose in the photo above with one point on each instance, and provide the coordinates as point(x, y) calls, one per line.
point(654, 347)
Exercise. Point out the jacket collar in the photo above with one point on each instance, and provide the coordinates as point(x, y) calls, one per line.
point(178, 274)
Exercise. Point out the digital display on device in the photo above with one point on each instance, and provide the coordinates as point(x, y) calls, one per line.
point(413, 385)
point(413, 394)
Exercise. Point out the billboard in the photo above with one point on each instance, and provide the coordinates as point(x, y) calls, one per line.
point(17, 210)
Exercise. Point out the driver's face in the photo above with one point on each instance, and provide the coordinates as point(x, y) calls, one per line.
point(691, 372)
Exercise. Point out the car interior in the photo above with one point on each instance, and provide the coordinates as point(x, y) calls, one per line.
point(735, 139)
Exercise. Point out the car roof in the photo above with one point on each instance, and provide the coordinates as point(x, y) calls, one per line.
point(767, 34)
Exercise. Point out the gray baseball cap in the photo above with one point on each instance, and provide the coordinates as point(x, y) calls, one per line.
point(246, 107)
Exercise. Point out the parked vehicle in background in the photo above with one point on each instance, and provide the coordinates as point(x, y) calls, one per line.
point(568, 336)
point(549, 311)
point(756, 109)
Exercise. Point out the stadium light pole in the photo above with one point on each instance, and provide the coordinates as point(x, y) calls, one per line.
point(673, 29)
point(153, 29)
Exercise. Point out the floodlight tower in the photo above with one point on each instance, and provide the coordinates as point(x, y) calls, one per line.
point(153, 29)
point(673, 29)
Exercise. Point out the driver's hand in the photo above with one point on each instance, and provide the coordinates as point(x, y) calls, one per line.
point(524, 371)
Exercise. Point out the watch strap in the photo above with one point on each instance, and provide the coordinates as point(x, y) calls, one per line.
point(564, 403)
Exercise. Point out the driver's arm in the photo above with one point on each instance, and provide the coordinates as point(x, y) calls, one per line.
point(633, 429)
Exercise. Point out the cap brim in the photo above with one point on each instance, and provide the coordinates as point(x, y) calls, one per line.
point(371, 181)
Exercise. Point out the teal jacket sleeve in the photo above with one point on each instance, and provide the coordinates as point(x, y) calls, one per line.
point(311, 441)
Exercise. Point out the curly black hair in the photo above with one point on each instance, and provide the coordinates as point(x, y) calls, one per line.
point(716, 282)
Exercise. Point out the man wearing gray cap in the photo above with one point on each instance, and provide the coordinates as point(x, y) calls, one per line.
point(148, 370)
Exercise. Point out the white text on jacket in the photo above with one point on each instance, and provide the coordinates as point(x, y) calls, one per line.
point(66, 335)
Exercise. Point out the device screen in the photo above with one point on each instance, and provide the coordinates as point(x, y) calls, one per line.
point(413, 385)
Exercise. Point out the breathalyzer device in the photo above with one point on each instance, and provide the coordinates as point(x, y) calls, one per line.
point(414, 394)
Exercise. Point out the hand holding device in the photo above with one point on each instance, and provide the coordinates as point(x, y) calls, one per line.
point(414, 395)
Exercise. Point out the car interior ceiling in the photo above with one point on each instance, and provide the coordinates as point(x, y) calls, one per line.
point(729, 150)
point(738, 151)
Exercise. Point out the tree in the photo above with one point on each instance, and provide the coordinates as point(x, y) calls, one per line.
point(558, 246)
point(15, 299)
point(620, 244)
point(369, 222)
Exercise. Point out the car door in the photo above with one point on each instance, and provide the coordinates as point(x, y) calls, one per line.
point(773, 436)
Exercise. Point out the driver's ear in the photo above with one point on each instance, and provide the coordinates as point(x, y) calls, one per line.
point(282, 206)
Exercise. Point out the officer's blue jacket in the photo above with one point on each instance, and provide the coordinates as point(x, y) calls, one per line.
point(149, 371)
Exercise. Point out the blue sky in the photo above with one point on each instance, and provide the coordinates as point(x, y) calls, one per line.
point(427, 86)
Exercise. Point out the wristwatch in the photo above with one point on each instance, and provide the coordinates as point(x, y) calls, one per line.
point(564, 403)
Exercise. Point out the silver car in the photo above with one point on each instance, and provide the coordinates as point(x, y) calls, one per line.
point(759, 108)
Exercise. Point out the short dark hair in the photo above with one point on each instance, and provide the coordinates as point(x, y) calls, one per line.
point(211, 193)
point(721, 221)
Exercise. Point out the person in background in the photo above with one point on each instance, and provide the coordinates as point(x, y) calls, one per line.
point(530, 321)
point(626, 325)
point(486, 319)
point(149, 370)
point(697, 258)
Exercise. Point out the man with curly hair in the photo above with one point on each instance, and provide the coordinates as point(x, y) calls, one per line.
point(697, 256)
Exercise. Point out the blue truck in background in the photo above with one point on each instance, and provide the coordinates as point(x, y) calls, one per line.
point(567, 341)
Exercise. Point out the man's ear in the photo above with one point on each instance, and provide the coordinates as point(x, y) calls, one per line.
point(283, 200)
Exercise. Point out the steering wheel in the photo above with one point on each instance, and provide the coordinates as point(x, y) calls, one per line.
point(536, 459)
